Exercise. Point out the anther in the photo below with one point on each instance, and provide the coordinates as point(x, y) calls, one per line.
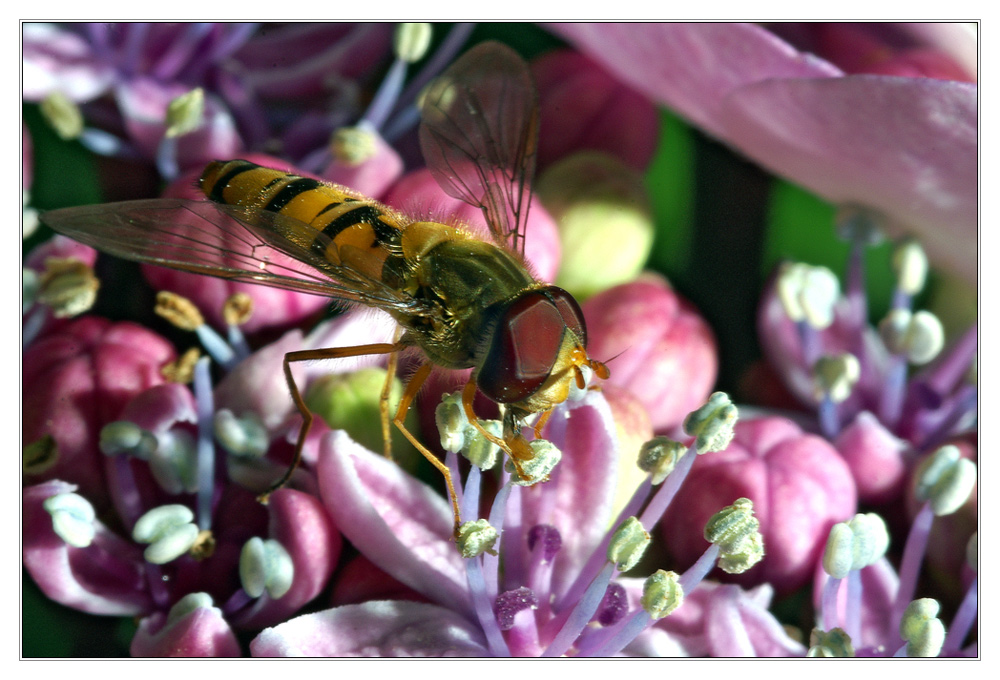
point(265, 565)
point(63, 115)
point(712, 425)
point(185, 113)
point(662, 594)
point(67, 286)
point(628, 544)
point(736, 532)
point(72, 518)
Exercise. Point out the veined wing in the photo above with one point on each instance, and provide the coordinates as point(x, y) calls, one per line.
point(230, 242)
point(479, 132)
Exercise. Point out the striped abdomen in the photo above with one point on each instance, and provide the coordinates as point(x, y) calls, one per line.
point(359, 233)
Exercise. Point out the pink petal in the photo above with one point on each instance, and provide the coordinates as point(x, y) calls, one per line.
point(396, 521)
point(692, 67)
point(257, 384)
point(847, 140)
point(199, 633)
point(299, 522)
point(104, 578)
point(385, 628)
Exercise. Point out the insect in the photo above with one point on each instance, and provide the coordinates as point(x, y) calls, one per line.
point(464, 302)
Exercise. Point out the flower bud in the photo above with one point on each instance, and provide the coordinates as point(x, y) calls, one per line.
point(604, 217)
point(351, 402)
point(660, 348)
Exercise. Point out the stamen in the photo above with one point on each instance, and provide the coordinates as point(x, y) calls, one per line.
point(628, 544)
point(537, 468)
point(168, 530)
point(737, 533)
point(245, 437)
point(72, 518)
point(662, 594)
point(124, 437)
point(62, 114)
point(946, 480)
point(67, 286)
point(917, 336)
point(205, 405)
point(187, 604)
point(910, 264)
point(712, 425)
point(182, 313)
point(921, 629)
point(659, 456)
point(185, 113)
point(475, 538)
point(265, 565)
point(834, 643)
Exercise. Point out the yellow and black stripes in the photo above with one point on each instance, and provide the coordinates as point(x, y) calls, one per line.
point(346, 229)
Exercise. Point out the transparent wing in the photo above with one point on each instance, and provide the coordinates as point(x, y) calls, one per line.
point(229, 242)
point(478, 134)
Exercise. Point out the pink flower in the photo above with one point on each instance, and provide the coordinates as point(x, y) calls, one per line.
point(842, 136)
point(656, 345)
point(798, 483)
point(78, 379)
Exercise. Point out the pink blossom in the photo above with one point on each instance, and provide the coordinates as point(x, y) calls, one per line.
point(78, 379)
point(798, 483)
point(656, 345)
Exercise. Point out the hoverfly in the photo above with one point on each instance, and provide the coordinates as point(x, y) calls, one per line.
point(462, 301)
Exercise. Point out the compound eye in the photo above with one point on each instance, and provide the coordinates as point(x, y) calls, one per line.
point(526, 343)
point(524, 349)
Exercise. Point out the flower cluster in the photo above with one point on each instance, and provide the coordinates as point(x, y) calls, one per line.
point(146, 460)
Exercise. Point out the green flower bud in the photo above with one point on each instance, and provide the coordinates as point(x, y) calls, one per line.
point(603, 213)
point(350, 402)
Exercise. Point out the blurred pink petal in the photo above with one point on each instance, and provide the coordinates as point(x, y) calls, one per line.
point(55, 60)
point(846, 138)
point(386, 628)
point(584, 107)
point(693, 67)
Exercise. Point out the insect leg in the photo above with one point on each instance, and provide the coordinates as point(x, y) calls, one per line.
point(300, 404)
point(409, 394)
point(516, 447)
point(383, 402)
